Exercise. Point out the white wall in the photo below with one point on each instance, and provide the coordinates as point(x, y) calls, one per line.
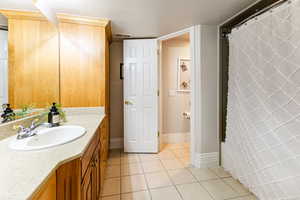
point(174, 103)
point(3, 67)
point(116, 91)
point(208, 142)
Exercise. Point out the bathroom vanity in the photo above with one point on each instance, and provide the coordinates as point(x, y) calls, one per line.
point(68, 64)
point(72, 171)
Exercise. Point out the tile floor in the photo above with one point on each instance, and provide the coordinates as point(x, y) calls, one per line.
point(167, 176)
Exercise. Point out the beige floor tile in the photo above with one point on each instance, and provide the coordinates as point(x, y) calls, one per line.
point(111, 187)
point(193, 191)
point(158, 179)
point(153, 166)
point(250, 197)
point(173, 146)
point(220, 172)
point(115, 197)
point(148, 157)
point(166, 155)
point(237, 186)
point(219, 190)
point(172, 164)
point(186, 145)
point(114, 161)
point(141, 195)
point(113, 171)
point(203, 174)
point(133, 183)
point(167, 193)
point(131, 169)
point(179, 153)
point(181, 176)
point(129, 158)
point(185, 161)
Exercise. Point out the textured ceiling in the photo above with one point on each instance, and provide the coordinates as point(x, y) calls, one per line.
point(145, 18)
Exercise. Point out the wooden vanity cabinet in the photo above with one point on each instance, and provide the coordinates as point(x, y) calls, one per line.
point(82, 178)
point(47, 191)
point(92, 180)
point(87, 186)
point(90, 186)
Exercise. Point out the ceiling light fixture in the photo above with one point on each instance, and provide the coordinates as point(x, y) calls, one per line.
point(46, 10)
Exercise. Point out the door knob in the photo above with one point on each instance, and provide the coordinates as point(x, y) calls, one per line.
point(128, 103)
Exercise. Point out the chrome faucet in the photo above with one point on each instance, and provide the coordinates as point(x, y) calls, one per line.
point(30, 131)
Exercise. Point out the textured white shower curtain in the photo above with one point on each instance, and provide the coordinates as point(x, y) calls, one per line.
point(262, 147)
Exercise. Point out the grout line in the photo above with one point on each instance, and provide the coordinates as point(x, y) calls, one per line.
point(144, 175)
point(147, 184)
point(199, 182)
point(172, 181)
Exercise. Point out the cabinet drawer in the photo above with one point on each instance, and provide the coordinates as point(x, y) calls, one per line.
point(87, 156)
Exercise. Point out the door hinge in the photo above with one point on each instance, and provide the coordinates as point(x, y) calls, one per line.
point(158, 93)
point(158, 51)
point(158, 134)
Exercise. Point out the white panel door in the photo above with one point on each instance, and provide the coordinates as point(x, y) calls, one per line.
point(3, 67)
point(140, 96)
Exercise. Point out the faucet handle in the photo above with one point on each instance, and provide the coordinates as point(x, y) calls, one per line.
point(34, 121)
point(19, 128)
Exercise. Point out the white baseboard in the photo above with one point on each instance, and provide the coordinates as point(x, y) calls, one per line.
point(205, 160)
point(116, 143)
point(175, 137)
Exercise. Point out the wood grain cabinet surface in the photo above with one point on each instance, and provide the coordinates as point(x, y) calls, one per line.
point(33, 63)
point(69, 65)
point(75, 180)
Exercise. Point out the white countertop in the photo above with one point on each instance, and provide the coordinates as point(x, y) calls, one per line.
point(22, 172)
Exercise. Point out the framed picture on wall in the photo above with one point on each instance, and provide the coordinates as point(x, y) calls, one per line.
point(184, 75)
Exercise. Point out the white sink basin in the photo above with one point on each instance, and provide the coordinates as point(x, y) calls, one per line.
point(49, 137)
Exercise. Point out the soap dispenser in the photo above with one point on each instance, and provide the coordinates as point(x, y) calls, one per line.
point(8, 113)
point(53, 116)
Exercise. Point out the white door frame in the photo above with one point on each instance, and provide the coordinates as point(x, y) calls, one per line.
point(194, 33)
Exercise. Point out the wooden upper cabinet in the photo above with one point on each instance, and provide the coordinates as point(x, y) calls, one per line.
point(33, 60)
point(69, 65)
point(82, 66)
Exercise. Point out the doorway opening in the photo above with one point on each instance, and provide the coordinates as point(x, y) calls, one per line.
point(175, 100)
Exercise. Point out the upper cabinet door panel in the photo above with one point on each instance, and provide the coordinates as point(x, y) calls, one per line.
point(82, 65)
point(33, 63)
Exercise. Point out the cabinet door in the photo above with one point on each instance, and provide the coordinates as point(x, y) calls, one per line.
point(33, 63)
point(47, 191)
point(104, 139)
point(87, 185)
point(68, 181)
point(90, 188)
point(82, 65)
point(97, 172)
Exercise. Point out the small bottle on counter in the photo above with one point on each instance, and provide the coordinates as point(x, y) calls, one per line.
point(8, 113)
point(53, 116)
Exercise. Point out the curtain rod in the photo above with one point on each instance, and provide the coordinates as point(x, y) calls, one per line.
point(266, 9)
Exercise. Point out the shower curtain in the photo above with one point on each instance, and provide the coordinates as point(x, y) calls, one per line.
point(262, 148)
